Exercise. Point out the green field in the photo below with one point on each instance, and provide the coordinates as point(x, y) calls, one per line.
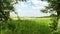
point(28, 26)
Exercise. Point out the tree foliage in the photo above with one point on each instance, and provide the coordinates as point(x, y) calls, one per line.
point(5, 8)
point(53, 6)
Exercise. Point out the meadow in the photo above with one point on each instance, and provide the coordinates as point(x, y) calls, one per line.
point(28, 26)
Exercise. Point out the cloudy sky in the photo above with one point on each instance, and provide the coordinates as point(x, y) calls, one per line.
point(30, 8)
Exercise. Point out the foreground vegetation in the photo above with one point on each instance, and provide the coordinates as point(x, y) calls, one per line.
point(27, 26)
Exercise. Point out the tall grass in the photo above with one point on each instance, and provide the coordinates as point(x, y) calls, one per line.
point(31, 26)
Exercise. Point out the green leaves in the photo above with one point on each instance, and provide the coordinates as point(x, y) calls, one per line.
point(5, 5)
point(23, 0)
point(53, 6)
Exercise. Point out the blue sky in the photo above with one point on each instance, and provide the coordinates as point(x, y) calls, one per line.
point(30, 8)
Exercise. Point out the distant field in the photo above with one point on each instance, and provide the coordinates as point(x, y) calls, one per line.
point(28, 18)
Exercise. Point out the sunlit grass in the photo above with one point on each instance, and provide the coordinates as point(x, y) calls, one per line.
point(33, 26)
point(29, 26)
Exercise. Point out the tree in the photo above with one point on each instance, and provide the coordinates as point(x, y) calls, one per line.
point(53, 15)
point(53, 7)
point(5, 7)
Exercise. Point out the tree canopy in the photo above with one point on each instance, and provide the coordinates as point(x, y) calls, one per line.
point(53, 6)
point(5, 7)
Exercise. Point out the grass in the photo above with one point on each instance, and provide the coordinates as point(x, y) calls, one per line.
point(28, 26)
point(59, 27)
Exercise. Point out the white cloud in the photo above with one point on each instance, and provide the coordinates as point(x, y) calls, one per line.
point(39, 4)
point(22, 4)
point(28, 9)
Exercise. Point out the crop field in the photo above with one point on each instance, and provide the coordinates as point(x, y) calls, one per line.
point(29, 26)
